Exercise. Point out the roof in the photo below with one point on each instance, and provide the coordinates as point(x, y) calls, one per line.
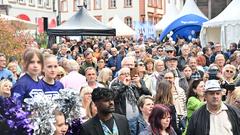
point(230, 15)
point(188, 24)
point(82, 24)
point(122, 29)
point(168, 18)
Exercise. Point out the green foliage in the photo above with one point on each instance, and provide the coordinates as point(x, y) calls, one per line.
point(42, 40)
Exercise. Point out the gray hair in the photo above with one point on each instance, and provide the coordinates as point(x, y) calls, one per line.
point(72, 65)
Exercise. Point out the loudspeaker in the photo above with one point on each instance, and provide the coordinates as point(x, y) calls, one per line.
point(45, 24)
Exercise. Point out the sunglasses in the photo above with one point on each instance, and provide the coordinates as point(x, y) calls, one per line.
point(229, 71)
point(169, 51)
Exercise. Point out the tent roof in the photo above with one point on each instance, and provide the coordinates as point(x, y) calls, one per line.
point(230, 15)
point(29, 25)
point(82, 24)
point(189, 17)
point(122, 29)
point(190, 7)
point(183, 26)
point(169, 17)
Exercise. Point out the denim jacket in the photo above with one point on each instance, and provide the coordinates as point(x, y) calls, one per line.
point(137, 125)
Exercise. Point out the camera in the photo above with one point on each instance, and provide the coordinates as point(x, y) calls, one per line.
point(212, 72)
point(228, 87)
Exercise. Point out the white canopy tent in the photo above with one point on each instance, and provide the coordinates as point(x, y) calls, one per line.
point(189, 19)
point(29, 25)
point(190, 7)
point(122, 29)
point(224, 28)
point(168, 18)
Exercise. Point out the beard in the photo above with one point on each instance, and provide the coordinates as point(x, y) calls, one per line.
point(108, 110)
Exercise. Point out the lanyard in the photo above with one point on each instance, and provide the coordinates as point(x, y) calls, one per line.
point(107, 131)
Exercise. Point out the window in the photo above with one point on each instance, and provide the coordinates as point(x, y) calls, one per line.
point(47, 3)
point(87, 3)
point(159, 3)
point(150, 18)
point(112, 3)
point(22, 1)
point(128, 21)
point(31, 2)
point(10, 1)
point(64, 5)
point(150, 3)
point(76, 3)
point(97, 4)
point(127, 3)
point(40, 2)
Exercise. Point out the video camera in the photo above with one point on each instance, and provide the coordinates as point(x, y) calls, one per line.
point(212, 72)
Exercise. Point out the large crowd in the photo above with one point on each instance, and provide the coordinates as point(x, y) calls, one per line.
point(132, 87)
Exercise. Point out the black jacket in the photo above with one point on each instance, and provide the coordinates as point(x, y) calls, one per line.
point(199, 123)
point(93, 126)
point(120, 95)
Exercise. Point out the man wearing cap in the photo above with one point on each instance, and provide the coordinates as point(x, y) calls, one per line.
point(171, 65)
point(170, 51)
point(215, 117)
point(105, 122)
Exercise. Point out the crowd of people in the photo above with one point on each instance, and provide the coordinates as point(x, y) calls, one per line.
point(130, 87)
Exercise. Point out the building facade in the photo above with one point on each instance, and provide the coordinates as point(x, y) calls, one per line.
point(37, 11)
point(127, 10)
point(211, 8)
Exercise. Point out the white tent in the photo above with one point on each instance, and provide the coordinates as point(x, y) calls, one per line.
point(224, 28)
point(122, 29)
point(188, 22)
point(190, 7)
point(168, 18)
point(29, 25)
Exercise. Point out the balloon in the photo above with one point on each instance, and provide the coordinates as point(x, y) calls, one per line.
point(168, 35)
point(173, 42)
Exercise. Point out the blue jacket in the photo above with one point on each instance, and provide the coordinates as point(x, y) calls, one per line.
point(115, 61)
point(137, 125)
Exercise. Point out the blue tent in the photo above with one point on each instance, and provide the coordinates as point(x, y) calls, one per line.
point(187, 26)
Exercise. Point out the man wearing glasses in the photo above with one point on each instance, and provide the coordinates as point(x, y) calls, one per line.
point(127, 90)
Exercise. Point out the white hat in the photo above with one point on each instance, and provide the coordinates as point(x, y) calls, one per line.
point(212, 85)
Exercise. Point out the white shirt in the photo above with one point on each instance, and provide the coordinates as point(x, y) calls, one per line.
point(219, 122)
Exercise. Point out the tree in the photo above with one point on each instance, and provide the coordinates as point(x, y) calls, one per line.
point(13, 38)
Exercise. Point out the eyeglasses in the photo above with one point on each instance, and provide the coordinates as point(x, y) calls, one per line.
point(168, 78)
point(60, 75)
point(229, 71)
point(126, 74)
point(101, 61)
point(169, 51)
point(160, 50)
point(137, 52)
